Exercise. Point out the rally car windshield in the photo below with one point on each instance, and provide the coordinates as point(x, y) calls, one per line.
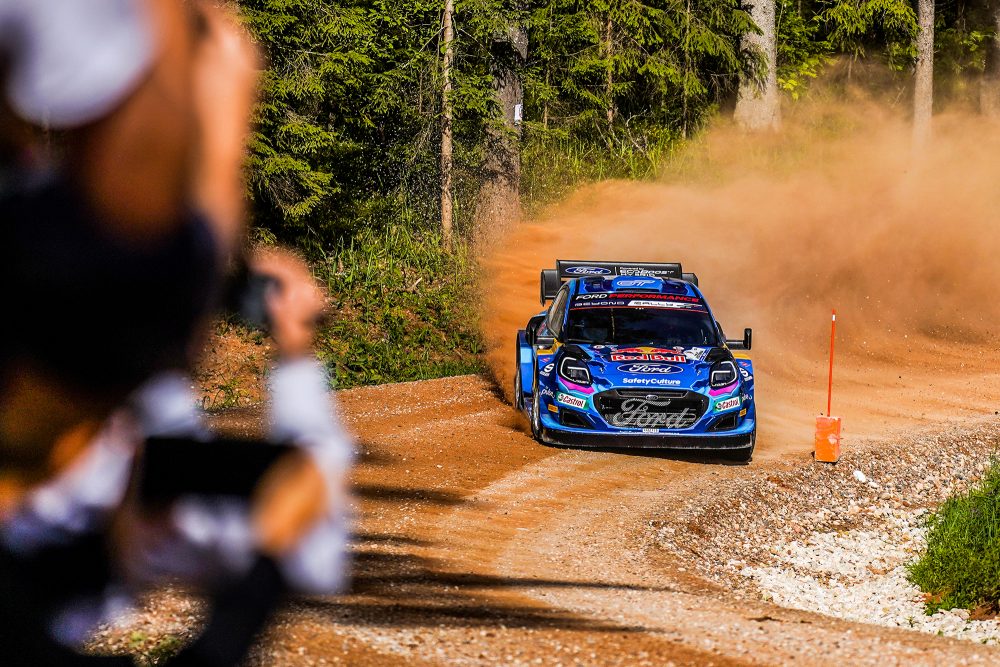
point(640, 326)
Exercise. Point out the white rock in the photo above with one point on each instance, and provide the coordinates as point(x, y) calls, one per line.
point(860, 476)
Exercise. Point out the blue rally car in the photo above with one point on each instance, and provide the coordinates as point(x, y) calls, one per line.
point(630, 355)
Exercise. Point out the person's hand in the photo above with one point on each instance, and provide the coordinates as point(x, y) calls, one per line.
point(294, 304)
point(288, 501)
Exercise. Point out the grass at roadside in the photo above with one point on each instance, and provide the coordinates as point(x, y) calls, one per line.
point(403, 309)
point(961, 567)
point(553, 166)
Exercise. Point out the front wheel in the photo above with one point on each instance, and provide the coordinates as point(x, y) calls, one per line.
point(518, 393)
point(536, 411)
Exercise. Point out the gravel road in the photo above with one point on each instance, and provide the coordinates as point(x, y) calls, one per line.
point(476, 546)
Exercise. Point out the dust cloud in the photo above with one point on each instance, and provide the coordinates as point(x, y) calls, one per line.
point(836, 211)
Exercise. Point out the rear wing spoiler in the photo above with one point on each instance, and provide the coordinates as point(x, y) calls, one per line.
point(552, 279)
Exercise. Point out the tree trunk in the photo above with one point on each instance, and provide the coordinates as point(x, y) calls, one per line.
point(498, 203)
point(923, 88)
point(687, 70)
point(545, 105)
point(989, 86)
point(447, 202)
point(758, 106)
point(609, 52)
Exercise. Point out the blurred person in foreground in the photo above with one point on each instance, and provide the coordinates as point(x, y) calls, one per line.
point(122, 125)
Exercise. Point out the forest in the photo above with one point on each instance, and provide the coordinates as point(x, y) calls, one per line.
point(393, 136)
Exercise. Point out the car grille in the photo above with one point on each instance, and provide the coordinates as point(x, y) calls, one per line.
point(652, 408)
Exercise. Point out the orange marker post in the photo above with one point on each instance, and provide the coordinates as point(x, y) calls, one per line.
point(827, 440)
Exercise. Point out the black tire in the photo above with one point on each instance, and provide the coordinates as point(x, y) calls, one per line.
point(518, 395)
point(536, 411)
point(743, 454)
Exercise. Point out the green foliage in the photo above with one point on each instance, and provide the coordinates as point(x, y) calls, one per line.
point(812, 33)
point(303, 150)
point(603, 68)
point(554, 165)
point(854, 26)
point(961, 567)
point(963, 36)
point(802, 53)
point(404, 309)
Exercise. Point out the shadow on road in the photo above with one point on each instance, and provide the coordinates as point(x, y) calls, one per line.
point(396, 583)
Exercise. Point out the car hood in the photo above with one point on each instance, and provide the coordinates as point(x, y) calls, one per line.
point(641, 366)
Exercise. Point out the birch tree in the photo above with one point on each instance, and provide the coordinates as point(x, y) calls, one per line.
point(923, 88)
point(447, 116)
point(759, 106)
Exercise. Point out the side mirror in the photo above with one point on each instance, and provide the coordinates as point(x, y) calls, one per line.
point(744, 344)
point(544, 339)
point(531, 330)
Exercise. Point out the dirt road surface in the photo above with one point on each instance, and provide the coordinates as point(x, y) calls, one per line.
point(477, 546)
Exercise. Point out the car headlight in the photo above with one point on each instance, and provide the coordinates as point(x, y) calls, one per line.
point(723, 374)
point(574, 370)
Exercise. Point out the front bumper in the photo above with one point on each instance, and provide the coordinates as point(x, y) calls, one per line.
point(611, 440)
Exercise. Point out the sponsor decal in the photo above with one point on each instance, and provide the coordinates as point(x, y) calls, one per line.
point(572, 401)
point(651, 368)
point(674, 305)
point(545, 372)
point(637, 271)
point(743, 412)
point(746, 374)
point(588, 271)
point(677, 358)
point(604, 303)
point(728, 404)
point(648, 413)
point(553, 408)
point(658, 297)
point(636, 282)
point(660, 382)
point(590, 297)
point(545, 391)
point(639, 303)
point(650, 430)
point(696, 353)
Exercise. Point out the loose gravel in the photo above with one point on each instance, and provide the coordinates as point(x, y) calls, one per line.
point(860, 575)
point(836, 539)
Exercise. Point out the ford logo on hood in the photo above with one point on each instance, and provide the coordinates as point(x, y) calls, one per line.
point(651, 369)
point(588, 271)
